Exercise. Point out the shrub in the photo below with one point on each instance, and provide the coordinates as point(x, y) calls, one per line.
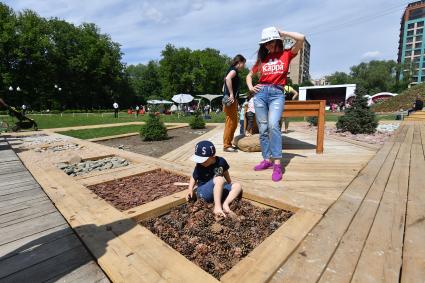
point(358, 118)
point(197, 121)
point(154, 129)
point(312, 121)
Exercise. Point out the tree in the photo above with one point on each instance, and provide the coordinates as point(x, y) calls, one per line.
point(375, 76)
point(338, 78)
point(38, 53)
point(145, 80)
point(358, 119)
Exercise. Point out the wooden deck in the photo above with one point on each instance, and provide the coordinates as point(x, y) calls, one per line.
point(36, 243)
point(370, 204)
point(375, 231)
point(311, 181)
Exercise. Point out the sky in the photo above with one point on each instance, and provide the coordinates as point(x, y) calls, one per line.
point(342, 33)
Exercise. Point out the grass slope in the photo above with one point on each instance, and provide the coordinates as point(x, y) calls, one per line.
point(403, 100)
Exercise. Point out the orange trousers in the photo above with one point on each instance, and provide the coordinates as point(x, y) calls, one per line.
point(230, 124)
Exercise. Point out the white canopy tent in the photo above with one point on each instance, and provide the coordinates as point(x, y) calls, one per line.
point(210, 97)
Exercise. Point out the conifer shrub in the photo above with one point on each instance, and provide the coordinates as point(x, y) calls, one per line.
point(154, 129)
point(197, 121)
point(312, 121)
point(358, 119)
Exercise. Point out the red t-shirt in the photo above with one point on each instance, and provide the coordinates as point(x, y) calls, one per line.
point(274, 69)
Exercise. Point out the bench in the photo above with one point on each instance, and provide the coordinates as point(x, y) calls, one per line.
point(310, 108)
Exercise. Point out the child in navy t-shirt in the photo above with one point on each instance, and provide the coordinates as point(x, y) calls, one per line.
point(211, 175)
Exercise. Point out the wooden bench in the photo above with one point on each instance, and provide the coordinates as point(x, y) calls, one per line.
point(310, 108)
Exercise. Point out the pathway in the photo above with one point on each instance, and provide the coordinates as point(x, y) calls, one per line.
point(36, 243)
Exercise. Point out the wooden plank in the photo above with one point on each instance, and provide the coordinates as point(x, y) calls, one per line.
point(34, 211)
point(37, 252)
point(60, 264)
point(89, 272)
point(381, 258)
point(320, 128)
point(157, 207)
point(300, 113)
point(414, 242)
point(315, 251)
point(26, 228)
point(264, 260)
point(341, 267)
point(19, 189)
point(22, 206)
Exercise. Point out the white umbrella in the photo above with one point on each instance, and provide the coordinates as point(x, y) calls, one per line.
point(155, 101)
point(182, 98)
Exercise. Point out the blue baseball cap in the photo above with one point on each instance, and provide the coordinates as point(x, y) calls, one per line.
point(203, 150)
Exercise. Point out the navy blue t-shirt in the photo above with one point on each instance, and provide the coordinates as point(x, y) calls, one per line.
point(235, 82)
point(203, 174)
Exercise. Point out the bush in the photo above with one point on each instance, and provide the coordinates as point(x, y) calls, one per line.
point(197, 122)
point(154, 129)
point(312, 121)
point(358, 119)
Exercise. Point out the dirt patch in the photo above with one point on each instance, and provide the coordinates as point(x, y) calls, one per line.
point(177, 138)
point(133, 191)
point(216, 246)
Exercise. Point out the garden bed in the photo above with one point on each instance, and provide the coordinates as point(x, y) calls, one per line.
point(56, 148)
point(177, 138)
point(216, 247)
point(83, 167)
point(133, 191)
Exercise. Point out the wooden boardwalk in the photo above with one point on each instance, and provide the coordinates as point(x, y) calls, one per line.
point(311, 181)
point(375, 231)
point(36, 243)
point(371, 202)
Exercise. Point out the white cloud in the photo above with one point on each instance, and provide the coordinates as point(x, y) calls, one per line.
point(371, 54)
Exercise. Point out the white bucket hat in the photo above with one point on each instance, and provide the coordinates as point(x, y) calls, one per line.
point(269, 34)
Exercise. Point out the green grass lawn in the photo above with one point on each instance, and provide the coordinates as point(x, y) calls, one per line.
point(101, 132)
point(70, 120)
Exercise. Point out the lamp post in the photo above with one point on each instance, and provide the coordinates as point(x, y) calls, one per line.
point(12, 90)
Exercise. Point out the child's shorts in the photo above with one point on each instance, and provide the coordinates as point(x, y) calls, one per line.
point(206, 191)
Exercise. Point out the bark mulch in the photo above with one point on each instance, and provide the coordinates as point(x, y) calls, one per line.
point(133, 191)
point(216, 247)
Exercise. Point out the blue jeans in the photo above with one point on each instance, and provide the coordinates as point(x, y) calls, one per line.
point(206, 191)
point(269, 103)
point(241, 129)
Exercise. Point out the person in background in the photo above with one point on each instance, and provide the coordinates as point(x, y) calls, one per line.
point(24, 109)
point(231, 90)
point(417, 106)
point(242, 118)
point(272, 66)
point(115, 105)
point(137, 111)
point(290, 94)
point(250, 116)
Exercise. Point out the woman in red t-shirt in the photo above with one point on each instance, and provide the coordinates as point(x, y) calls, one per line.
point(272, 66)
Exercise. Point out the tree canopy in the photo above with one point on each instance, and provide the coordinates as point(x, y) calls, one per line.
point(58, 65)
point(38, 54)
point(374, 76)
